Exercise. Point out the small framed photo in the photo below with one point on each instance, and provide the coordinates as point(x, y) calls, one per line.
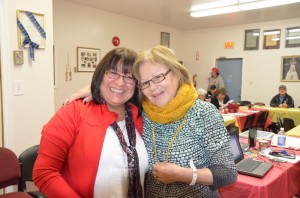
point(251, 39)
point(165, 39)
point(272, 39)
point(292, 37)
point(290, 68)
point(87, 59)
point(32, 29)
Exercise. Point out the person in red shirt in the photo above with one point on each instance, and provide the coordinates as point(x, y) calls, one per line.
point(95, 149)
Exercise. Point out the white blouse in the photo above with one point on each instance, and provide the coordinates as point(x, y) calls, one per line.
point(111, 180)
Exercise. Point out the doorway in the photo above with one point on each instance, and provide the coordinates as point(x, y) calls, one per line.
point(231, 71)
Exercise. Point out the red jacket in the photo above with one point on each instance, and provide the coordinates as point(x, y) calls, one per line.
point(70, 149)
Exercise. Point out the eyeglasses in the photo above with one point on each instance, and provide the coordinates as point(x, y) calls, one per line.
point(127, 79)
point(155, 80)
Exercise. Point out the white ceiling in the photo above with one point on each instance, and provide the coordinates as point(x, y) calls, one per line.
point(175, 13)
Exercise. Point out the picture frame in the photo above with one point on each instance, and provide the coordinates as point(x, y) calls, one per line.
point(31, 29)
point(165, 39)
point(292, 37)
point(87, 59)
point(290, 68)
point(252, 39)
point(272, 39)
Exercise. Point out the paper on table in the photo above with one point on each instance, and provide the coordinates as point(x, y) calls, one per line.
point(237, 114)
point(260, 135)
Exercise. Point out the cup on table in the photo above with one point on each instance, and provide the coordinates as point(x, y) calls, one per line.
point(263, 144)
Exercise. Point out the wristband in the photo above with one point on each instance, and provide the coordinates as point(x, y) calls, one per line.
point(195, 173)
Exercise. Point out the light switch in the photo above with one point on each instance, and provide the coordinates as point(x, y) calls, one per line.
point(18, 87)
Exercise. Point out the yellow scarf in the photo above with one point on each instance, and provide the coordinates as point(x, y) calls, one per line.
point(175, 109)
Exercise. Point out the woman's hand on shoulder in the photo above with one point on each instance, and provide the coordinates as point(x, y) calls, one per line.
point(84, 92)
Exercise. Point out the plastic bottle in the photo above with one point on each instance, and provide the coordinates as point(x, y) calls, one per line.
point(281, 138)
point(281, 132)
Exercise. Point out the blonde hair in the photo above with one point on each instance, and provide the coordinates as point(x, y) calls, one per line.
point(164, 56)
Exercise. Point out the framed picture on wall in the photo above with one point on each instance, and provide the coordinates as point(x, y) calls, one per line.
point(292, 37)
point(251, 39)
point(271, 39)
point(290, 68)
point(87, 59)
point(165, 39)
point(34, 26)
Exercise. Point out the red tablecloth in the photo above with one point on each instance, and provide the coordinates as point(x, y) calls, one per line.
point(241, 118)
point(283, 181)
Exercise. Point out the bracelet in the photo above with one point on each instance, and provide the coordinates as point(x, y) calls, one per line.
point(195, 173)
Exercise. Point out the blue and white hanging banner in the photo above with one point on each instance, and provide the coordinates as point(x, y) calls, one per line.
point(27, 39)
point(36, 24)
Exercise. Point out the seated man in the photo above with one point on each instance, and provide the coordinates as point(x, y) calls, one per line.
point(282, 99)
point(211, 92)
point(220, 98)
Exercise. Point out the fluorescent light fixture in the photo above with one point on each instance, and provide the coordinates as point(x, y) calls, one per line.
point(230, 6)
point(255, 34)
point(246, 1)
point(213, 5)
point(265, 4)
point(216, 11)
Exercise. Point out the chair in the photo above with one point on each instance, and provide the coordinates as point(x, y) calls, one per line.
point(259, 103)
point(249, 122)
point(10, 173)
point(273, 128)
point(261, 120)
point(230, 126)
point(245, 103)
point(279, 122)
point(288, 124)
point(27, 160)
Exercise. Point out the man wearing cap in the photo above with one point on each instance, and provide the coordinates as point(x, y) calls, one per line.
point(282, 99)
point(215, 79)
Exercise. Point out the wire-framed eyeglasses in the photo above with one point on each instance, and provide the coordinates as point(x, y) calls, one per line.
point(127, 79)
point(155, 79)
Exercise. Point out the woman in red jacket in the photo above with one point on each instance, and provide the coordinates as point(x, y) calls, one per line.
point(95, 149)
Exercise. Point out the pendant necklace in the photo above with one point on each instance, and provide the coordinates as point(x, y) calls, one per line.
point(171, 142)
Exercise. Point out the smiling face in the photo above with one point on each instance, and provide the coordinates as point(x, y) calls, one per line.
point(160, 94)
point(115, 91)
point(282, 92)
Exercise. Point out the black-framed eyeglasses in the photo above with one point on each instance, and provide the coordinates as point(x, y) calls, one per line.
point(127, 79)
point(155, 79)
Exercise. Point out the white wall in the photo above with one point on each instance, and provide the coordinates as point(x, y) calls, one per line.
point(25, 115)
point(261, 68)
point(95, 28)
point(76, 25)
